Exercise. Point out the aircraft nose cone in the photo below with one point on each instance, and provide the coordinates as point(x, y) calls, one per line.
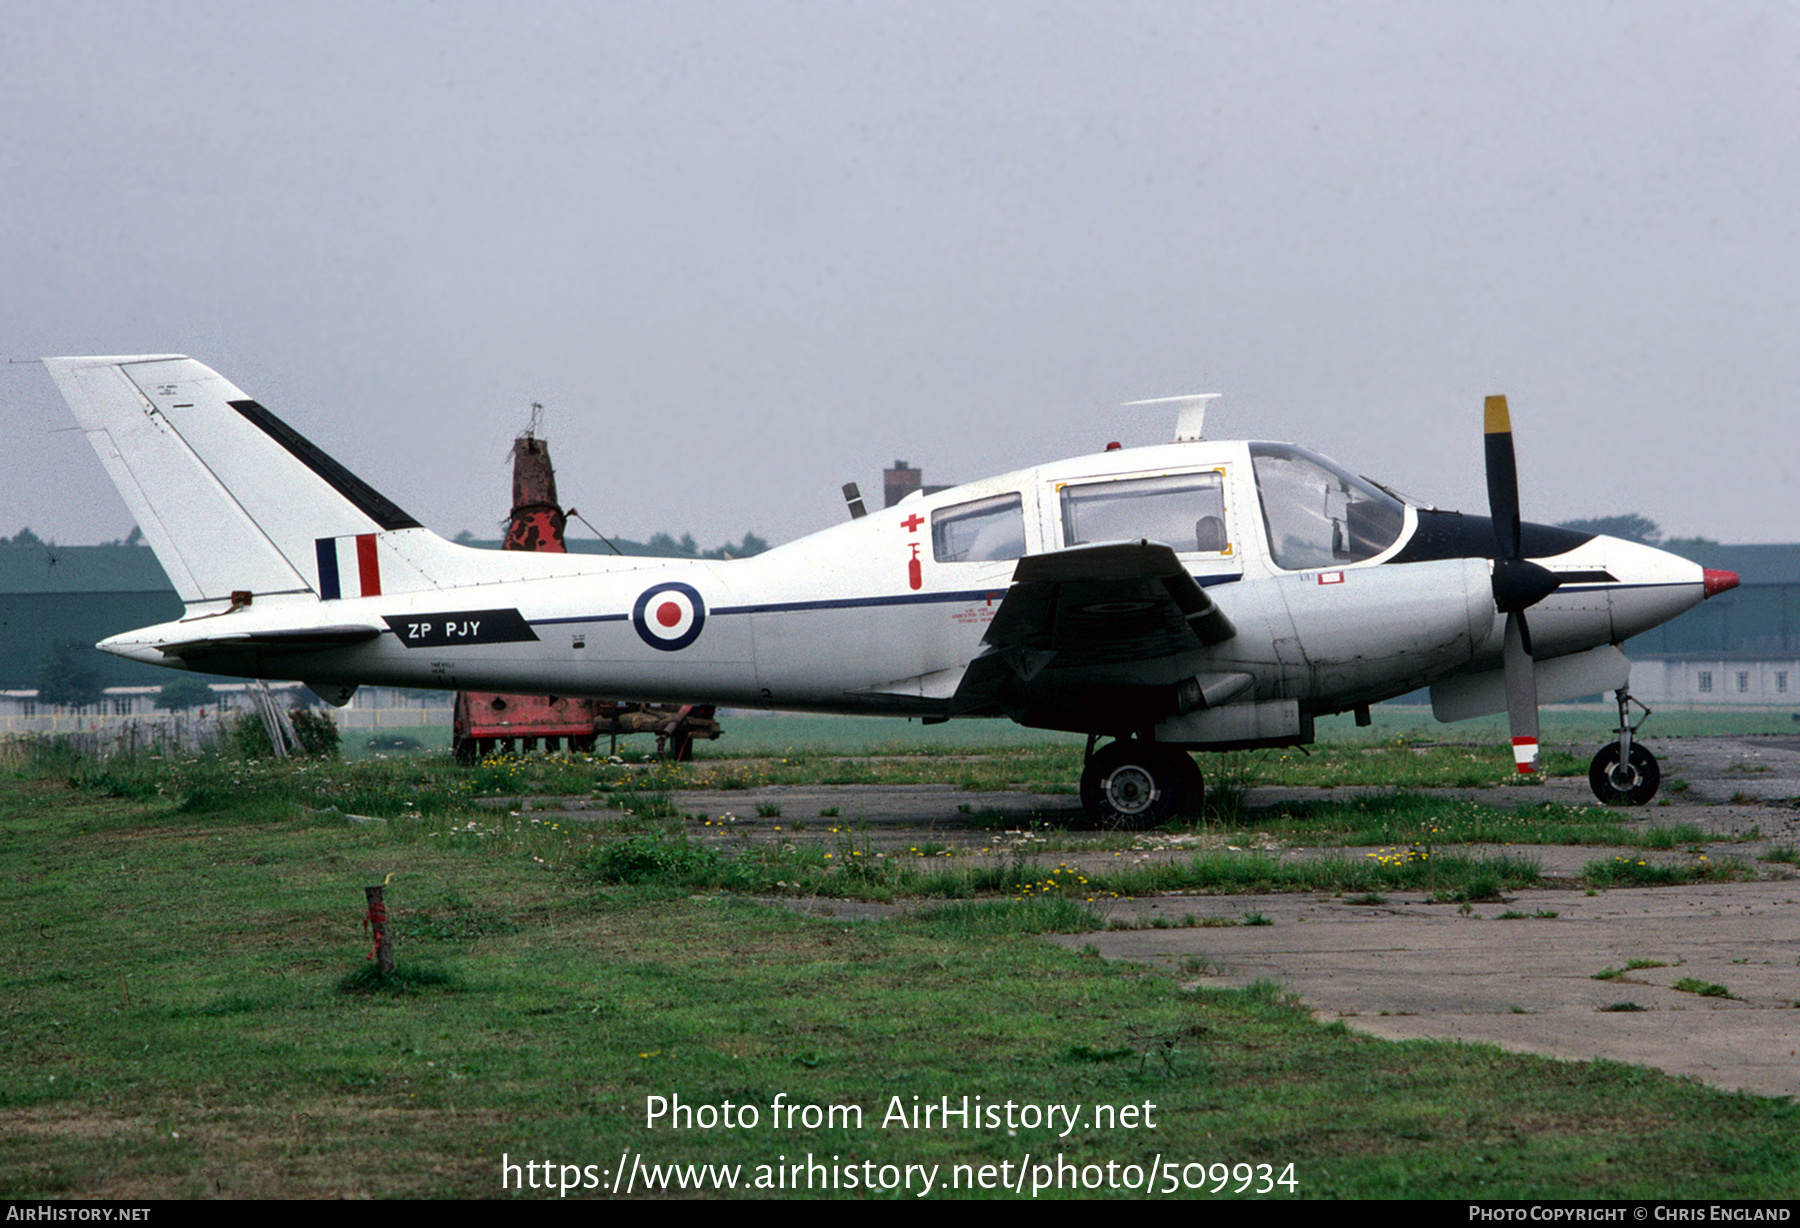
point(1720, 581)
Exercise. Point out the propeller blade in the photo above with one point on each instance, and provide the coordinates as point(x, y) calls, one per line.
point(1502, 477)
point(1518, 584)
point(1521, 693)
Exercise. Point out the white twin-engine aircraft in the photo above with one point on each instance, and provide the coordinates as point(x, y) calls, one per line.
point(1198, 595)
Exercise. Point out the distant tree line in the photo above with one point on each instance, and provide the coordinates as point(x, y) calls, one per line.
point(670, 546)
point(662, 543)
point(688, 548)
point(25, 537)
point(1635, 528)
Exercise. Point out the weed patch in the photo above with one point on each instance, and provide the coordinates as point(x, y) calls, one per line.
point(1705, 989)
point(1624, 871)
point(962, 920)
point(672, 861)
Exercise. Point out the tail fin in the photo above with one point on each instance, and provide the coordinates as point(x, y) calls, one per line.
point(234, 500)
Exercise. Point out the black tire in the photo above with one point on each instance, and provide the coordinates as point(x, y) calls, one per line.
point(1132, 784)
point(1617, 785)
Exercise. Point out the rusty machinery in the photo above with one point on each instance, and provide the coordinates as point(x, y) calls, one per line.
point(486, 721)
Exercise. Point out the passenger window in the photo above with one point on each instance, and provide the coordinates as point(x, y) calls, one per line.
point(984, 531)
point(1186, 510)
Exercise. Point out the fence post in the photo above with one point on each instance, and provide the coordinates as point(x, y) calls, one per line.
point(376, 920)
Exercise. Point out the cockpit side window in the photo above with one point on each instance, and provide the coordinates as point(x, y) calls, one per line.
point(1318, 515)
point(1185, 510)
point(983, 531)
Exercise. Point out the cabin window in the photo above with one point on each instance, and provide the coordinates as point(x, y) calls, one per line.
point(1186, 511)
point(1317, 515)
point(984, 531)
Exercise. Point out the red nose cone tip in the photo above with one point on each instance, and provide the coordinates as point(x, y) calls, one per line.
point(1720, 581)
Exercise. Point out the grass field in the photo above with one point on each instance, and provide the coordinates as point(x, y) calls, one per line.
point(182, 1018)
point(758, 734)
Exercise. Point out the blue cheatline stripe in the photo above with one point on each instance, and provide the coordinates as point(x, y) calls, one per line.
point(846, 603)
point(782, 607)
point(852, 603)
point(577, 618)
point(326, 548)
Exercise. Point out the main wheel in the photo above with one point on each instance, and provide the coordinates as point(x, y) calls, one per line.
point(1132, 784)
point(1624, 784)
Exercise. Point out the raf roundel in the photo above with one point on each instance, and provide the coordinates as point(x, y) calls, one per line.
point(669, 617)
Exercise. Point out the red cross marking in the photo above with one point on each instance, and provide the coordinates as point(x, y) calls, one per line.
point(913, 522)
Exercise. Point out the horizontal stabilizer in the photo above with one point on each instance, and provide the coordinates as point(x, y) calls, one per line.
point(300, 639)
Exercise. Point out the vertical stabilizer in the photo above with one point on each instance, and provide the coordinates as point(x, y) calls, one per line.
point(230, 497)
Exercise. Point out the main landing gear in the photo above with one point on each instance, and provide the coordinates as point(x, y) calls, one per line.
point(1137, 784)
point(1624, 773)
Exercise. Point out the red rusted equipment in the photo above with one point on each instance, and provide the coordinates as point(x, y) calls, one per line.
point(486, 721)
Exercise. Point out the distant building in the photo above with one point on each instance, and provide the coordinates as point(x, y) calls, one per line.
point(1741, 647)
point(901, 481)
point(56, 595)
point(371, 708)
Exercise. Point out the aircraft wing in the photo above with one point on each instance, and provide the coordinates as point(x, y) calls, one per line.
point(1105, 611)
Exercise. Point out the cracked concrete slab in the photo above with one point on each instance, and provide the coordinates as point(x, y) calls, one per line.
point(1409, 969)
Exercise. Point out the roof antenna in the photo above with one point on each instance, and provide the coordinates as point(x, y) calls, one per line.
point(1190, 422)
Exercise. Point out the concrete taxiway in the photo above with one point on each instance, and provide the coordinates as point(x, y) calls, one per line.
point(1715, 993)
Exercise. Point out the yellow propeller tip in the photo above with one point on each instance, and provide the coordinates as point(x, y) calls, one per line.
point(1495, 420)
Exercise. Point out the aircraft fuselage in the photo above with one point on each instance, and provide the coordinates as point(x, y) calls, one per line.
point(879, 615)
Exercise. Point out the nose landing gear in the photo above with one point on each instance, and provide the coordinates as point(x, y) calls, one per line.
point(1625, 773)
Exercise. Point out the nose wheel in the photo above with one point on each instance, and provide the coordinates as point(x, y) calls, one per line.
point(1625, 773)
point(1138, 785)
point(1624, 782)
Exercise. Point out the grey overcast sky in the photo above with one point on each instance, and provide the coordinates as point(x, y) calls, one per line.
point(745, 252)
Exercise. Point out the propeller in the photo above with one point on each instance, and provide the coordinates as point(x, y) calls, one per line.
point(1518, 584)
